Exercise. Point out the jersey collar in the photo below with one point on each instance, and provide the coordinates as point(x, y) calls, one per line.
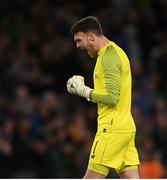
point(103, 48)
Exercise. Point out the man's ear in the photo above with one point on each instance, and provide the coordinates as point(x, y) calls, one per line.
point(91, 36)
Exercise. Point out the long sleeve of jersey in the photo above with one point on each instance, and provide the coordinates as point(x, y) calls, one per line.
point(112, 68)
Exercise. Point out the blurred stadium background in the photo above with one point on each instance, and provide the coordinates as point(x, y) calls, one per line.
point(44, 131)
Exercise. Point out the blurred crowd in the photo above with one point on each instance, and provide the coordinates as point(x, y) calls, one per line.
point(44, 131)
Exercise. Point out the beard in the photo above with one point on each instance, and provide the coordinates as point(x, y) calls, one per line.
point(92, 55)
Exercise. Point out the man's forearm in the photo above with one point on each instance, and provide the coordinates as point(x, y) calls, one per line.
point(105, 99)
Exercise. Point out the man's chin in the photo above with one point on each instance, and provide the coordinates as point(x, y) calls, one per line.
point(91, 55)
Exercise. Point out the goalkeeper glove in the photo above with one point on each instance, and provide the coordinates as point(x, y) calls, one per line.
point(76, 85)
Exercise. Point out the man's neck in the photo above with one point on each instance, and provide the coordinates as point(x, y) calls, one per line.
point(101, 42)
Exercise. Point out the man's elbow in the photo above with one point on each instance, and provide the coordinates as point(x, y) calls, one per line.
point(114, 100)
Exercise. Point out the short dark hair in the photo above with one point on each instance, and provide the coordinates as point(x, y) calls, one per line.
point(87, 24)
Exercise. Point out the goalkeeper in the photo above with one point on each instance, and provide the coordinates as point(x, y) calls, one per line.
point(114, 143)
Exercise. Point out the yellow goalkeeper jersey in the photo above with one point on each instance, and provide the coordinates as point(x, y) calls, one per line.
point(112, 90)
